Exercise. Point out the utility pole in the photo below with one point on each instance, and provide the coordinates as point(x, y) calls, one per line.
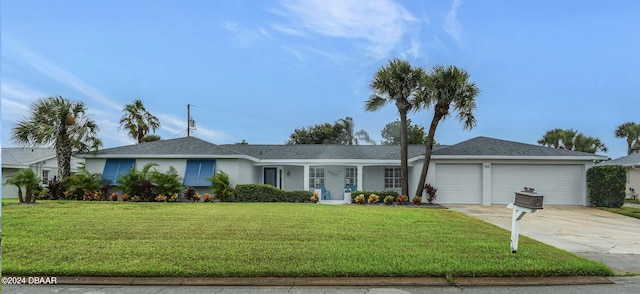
point(190, 122)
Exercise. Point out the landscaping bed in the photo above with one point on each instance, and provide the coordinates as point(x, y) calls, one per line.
point(69, 238)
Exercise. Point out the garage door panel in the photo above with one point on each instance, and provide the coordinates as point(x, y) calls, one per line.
point(459, 183)
point(560, 184)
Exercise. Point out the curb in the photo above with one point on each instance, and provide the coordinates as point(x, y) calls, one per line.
point(336, 281)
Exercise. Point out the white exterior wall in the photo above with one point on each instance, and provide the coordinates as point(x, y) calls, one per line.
point(633, 181)
point(293, 178)
point(51, 165)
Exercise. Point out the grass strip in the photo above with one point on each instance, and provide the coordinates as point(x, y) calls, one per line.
point(267, 239)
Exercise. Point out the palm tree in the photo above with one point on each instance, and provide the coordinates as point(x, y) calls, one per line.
point(26, 178)
point(138, 121)
point(571, 139)
point(631, 132)
point(445, 87)
point(351, 137)
point(588, 144)
point(61, 124)
point(398, 82)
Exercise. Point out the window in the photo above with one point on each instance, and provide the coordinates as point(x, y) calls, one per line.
point(351, 176)
point(316, 176)
point(392, 178)
point(115, 168)
point(45, 177)
point(198, 173)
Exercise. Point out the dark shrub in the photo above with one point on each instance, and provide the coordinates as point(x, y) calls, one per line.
point(189, 194)
point(431, 192)
point(268, 193)
point(606, 185)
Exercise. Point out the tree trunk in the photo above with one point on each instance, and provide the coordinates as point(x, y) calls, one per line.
point(20, 198)
point(427, 153)
point(404, 139)
point(27, 194)
point(63, 155)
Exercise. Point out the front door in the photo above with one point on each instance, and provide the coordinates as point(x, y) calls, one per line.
point(271, 176)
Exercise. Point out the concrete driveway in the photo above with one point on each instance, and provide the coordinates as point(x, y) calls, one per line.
point(596, 234)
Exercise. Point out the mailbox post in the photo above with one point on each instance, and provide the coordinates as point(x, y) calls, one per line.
point(526, 201)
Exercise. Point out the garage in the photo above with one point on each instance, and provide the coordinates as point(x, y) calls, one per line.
point(560, 183)
point(459, 183)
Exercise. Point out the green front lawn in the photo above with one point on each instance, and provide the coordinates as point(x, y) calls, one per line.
point(626, 210)
point(266, 239)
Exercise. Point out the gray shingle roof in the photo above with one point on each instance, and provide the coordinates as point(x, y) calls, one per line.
point(26, 156)
point(483, 146)
point(178, 146)
point(194, 147)
point(633, 159)
point(318, 151)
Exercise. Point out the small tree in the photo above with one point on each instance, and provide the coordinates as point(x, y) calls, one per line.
point(220, 186)
point(431, 192)
point(28, 179)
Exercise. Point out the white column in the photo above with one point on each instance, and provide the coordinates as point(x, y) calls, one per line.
point(360, 187)
point(306, 177)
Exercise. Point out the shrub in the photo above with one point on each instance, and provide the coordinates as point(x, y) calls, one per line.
point(431, 192)
point(269, 193)
point(161, 198)
point(196, 198)
point(166, 183)
point(388, 200)
point(114, 196)
point(606, 185)
point(81, 183)
point(417, 200)
point(297, 196)
point(381, 194)
point(220, 186)
point(135, 198)
point(207, 197)
point(55, 190)
point(174, 197)
point(359, 199)
point(373, 198)
point(189, 193)
point(402, 199)
point(125, 197)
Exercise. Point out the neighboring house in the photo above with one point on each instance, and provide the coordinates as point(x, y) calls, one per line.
point(477, 171)
point(41, 160)
point(632, 165)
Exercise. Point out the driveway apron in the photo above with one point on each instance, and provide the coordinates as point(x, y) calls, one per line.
point(596, 234)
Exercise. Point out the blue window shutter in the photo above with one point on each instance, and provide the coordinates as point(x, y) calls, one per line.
point(114, 167)
point(198, 172)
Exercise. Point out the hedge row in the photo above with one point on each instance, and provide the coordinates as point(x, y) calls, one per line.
point(381, 195)
point(268, 193)
point(606, 185)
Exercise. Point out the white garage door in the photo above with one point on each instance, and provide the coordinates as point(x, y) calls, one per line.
point(459, 183)
point(560, 184)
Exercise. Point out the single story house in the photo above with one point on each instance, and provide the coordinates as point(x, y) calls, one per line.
point(477, 171)
point(41, 160)
point(632, 165)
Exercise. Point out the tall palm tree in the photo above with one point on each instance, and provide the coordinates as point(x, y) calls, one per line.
point(352, 137)
point(445, 87)
point(397, 83)
point(138, 121)
point(631, 132)
point(26, 178)
point(553, 138)
point(59, 123)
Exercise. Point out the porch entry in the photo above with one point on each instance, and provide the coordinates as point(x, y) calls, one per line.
point(271, 176)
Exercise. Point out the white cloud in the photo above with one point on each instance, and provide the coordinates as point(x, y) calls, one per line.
point(381, 24)
point(246, 37)
point(177, 126)
point(451, 25)
point(16, 99)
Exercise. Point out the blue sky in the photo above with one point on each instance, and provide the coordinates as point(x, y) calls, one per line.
point(257, 70)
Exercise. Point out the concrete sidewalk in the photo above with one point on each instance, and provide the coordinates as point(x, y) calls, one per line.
point(596, 234)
